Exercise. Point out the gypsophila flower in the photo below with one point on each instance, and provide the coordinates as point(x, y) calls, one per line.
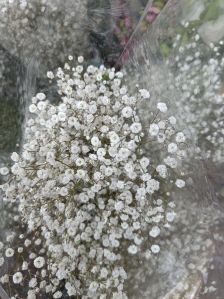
point(172, 120)
point(154, 232)
point(40, 96)
point(15, 157)
point(198, 79)
point(136, 128)
point(33, 283)
point(170, 216)
point(88, 181)
point(155, 248)
point(162, 170)
point(144, 93)
point(133, 249)
point(127, 112)
point(18, 17)
point(162, 107)
point(17, 278)
point(27, 242)
point(172, 148)
point(32, 108)
point(9, 252)
point(4, 171)
point(39, 262)
point(4, 279)
point(50, 75)
point(180, 183)
point(57, 295)
point(180, 137)
point(154, 129)
point(80, 59)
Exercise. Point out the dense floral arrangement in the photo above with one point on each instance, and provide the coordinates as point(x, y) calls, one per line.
point(198, 75)
point(43, 30)
point(91, 185)
point(192, 73)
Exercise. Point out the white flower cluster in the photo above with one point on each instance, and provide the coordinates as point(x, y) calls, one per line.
point(198, 75)
point(24, 271)
point(84, 180)
point(46, 30)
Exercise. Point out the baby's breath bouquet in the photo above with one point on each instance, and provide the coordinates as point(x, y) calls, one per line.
point(185, 69)
point(105, 156)
point(184, 65)
point(93, 192)
point(198, 72)
point(43, 31)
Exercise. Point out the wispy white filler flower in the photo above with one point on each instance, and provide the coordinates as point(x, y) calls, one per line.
point(87, 181)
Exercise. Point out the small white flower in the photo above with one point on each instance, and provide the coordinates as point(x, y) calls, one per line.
point(57, 295)
point(133, 249)
point(9, 252)
point(162, 125)
point(80, 174)
point(40, 96)
point(180, 137)
point(17, 278)
point(171, 162)
point(155, 249)
point(27, 243)
point(170, 216)
point(33, 108)
point(153, 129)
point(41, 106)
point(162, 107)
point(136, 128)
point(64, 191)
point(101, 152)
point(127, 112)
point(15, 157)
point(20, 249)
point(162, 170)
point(93, 286)
point(39, 262)
point(33, 283)
point(83, 198)
point(4, 279)
point(119, 75)
point(79, 162)
point(119, 206)
point(144, 162)
point(144, 93)
point(50, 75)
point(172, 148)
point(180, 183)
point(172, 120)
point(61, 116)
point(4, 171)
point(114, 138)
point(152, 186)
point(80, 59)
point(95, 141)
point(154, 232)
